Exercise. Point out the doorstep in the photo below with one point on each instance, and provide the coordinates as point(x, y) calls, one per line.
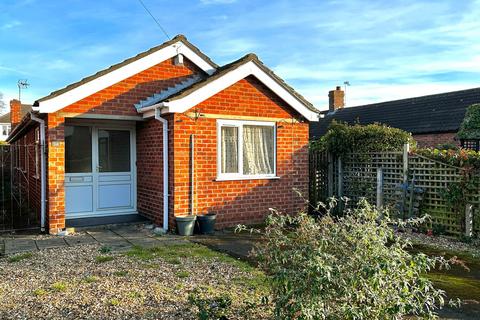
point(106, 221)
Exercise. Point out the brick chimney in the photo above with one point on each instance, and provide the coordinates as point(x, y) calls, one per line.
point(15, 112)
point(336, 99)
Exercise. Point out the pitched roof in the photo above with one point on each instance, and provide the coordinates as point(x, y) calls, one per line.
point(5, 118)
point(434, 113)
point(24, 109)
point(232, 66)
point(189, 49)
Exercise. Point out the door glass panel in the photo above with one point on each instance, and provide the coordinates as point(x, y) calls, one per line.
point(78, 149)
point(114, 150)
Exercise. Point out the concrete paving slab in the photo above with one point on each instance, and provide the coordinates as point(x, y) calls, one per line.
point(131, 232)
point(80, 240)
point(122, 246)
point(105, 236)
point(145, 242)
point(236, 245)
point(19, 245)
point(51, 243)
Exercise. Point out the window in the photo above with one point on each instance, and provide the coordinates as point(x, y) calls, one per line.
point(5, 130)
point(246, 149)
point(78, 149)
point(114, 150)
point(472, 144)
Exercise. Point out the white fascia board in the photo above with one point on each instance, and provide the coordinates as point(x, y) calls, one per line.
point(250, 68)
point(67, 98)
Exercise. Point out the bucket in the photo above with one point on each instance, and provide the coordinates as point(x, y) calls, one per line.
point(185, 225)
point(207, 223)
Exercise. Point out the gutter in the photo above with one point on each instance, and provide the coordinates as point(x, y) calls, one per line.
point(165, 165)
point(43, 171)
point(155, 107)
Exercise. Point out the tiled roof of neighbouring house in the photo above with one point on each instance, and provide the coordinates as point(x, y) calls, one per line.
point(435, 113)
point(5, 118)
point(24, 109)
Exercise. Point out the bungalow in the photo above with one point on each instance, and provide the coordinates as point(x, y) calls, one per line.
point(169, 133)
point(433, 119)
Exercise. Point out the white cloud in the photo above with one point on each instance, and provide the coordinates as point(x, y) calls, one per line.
point(58, 64)
point(234, 47)
point(10, 25)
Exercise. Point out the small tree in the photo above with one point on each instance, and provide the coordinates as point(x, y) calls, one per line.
point(352, 267)
point(470, 127)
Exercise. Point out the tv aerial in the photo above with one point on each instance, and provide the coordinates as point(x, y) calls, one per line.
point(22, 84)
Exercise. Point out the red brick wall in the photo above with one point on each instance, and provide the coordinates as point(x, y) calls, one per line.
point(244, 201)
point(433, 139)
point(118, 99)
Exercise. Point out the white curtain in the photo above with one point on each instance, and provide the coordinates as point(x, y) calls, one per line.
point(229, 149)
point(258, 148)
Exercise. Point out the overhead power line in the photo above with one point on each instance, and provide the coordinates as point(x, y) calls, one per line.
point(154, 19)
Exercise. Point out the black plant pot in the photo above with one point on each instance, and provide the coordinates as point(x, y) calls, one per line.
point(185, 225)
point(207, 223)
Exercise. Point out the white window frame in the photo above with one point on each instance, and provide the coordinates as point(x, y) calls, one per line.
point(240, 176)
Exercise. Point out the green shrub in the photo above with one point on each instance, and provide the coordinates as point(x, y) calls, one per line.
point(352, 267)
point(342, 138)
point(470, 127)
point(447, 146)
point(468, 159)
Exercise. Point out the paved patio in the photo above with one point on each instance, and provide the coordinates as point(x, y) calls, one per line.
point(116, 238)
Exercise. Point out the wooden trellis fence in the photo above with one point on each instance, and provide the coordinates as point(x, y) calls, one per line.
point(378, 177)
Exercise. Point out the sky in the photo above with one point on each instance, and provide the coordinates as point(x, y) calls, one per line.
point(386, 50)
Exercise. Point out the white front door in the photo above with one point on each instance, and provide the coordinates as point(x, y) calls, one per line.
point(99, 171)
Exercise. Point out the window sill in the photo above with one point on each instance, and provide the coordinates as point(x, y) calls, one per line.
point(247, 178)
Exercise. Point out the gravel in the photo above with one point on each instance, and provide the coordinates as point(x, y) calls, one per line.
point(74, 283)
point(442, 242)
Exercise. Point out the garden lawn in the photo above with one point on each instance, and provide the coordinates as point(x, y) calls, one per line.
point(92, 282)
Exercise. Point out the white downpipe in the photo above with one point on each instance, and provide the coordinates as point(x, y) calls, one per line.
point(192, 179)
point(165, 167)
point(43, 172)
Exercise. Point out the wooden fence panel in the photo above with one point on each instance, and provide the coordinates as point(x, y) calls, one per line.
point(359, 179)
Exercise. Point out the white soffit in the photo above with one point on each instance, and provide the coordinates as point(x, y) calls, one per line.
point(65, 99)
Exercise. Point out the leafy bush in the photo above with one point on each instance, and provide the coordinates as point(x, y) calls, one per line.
point(352, 267)
point(469, 159)
point(342, 138)
point(447, 146)
point(470, 127)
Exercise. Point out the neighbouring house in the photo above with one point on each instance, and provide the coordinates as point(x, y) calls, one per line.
point(4, 126)
point(432, 120)
point(169, 133)
point(5, 120)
